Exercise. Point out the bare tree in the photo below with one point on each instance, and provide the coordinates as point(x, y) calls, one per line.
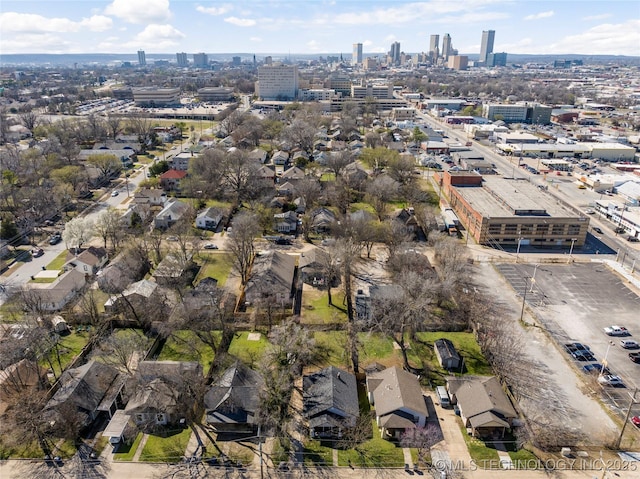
point(300, 134)
point(114, 125)
point(338, 161)
point(380, 191)
point(245, 228)
point(422, 439)
point(109, 227)
point(123, 349)
point(29, 119)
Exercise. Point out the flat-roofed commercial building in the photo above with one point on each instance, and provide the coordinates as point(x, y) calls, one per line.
point(603, 151)
point(518, 112)
point(503, 211)
point(153, 96)
point(277, 82)
point(215, 94)
point(373, 90)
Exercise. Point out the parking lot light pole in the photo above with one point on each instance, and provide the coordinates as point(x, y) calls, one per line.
point(573, 241)
point(533, 278)
point(606, 355)
point(518, 249)
point(524, 299)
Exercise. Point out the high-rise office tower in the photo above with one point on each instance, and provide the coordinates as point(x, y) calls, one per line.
point(446, 46)
point(278, 82)
point(394, 53)
point(434, 50)
point(486, 46)
point(182, 60)
point(142, 58)
point(356, 58)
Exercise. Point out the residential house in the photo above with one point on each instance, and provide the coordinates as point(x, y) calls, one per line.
point(161, 396)
point(233, 400)
point(366, 300)
point(93, 389)
point(136, 296)
point(285, 189)
point(330, 402)
point(170, 180)
point(181, 161)
point(149, 197)
point(485, 409)
point(355, 174)
point(272, 279)
point(126, 156)
point(292, 174)
point(55, 296)
point(398, 401)
point(447, 355)
point(407, 218)
point(320, 145)
point(300, 155)
point(172, 212)
point(259, 155)
point(280, 158)
point(311, 266)
point(286, 222)
point(175, 269)
point(266, 174)
point(209, 219)
point(322, 220)
point(89, 261)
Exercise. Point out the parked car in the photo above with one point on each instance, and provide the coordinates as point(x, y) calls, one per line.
point(632, 239)
point(617, 331)
point(598, 230)
point(635, 357)
point(583, 355)
point(172, 238)
point(55, 238)
point(609, 380)
point(595, 368)
point(573, 347)
point(629, 344)
point(37, 252)
point(114, 193)
point(635, 420)
point(210, 246)
point(590, 211)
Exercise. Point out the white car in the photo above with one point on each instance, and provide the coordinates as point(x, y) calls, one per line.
point(609, 380)
point(114, 193)
point(629, 344)
point(616, 331)
point(210, 246)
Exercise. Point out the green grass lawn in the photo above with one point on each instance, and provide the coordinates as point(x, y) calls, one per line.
point(332, 348)
point(216, 265)
point(186, 346)
point(126, 452)
point(24, 451)
point(376, 452)
point(69, 347)
point(362, 206)
point(42, 280)
point(377, 348)
point(59, 261)
point(328, 177)
point(224, 205)
point(315, 453)
point(166, 449)
point(316, 309)
point(249, 352)
point(422, 354)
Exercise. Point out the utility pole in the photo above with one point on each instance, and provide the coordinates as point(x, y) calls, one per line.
point(626, 418)
point(524, 299)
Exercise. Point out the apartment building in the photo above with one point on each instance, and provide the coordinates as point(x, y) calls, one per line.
point(518, 113)
point(277, 82)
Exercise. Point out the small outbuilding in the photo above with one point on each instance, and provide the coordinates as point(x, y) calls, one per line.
point(447, 355)
point(59, 324)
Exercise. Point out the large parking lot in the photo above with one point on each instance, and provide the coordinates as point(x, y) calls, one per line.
point(574, 302)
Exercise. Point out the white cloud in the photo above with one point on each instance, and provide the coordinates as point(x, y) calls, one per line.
point(240, 22)
point(367, 43)
point(255, 39)
point(603, 40)
point(32, 23)
point(314, 46)
point(221, 10)
point(539, 16)
point(139, 11)
point(38, 42)
point(602, 16)
point(154, 34)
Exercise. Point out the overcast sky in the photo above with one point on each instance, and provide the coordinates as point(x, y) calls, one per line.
point(317, 26)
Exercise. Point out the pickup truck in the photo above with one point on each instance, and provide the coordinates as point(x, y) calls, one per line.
point(616, 331)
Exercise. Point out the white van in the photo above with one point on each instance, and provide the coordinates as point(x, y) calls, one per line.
point(443, 396)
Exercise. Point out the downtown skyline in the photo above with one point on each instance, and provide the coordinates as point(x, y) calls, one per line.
point(318, 26)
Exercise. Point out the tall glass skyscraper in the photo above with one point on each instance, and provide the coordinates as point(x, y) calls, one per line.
point(486, 46)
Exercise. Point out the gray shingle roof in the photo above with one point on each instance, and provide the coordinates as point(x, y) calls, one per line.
point(234, 398)
point(331, 390)
point(478, 395)
point(395, 389)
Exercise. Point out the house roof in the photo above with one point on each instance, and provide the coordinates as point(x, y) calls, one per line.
point(330, 390)
point(395, 389)
point(144, 288)
point(234, 397)
point(211, 213)
point(92, 256)
point(293, 173)
point(478, 395)
point(314, 256)
point(273, 270)
point(155, 394)
point(174, 209)
point(173, 175)
point(85, 386)
point(172, 266)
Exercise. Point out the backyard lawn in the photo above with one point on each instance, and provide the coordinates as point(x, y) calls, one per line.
point(249, 352)
point(69, 347)
point(166, 449)
point(316, 309)
point(186, 346)
point(317, 454)
point(215, 265)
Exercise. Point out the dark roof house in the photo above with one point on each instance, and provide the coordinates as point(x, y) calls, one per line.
point(232, 401)
point(272, 277)
point(330, 402)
